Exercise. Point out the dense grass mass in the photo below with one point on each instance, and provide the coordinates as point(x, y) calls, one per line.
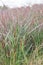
point(22, 45)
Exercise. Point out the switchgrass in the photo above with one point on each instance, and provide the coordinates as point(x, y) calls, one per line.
point(22, 45)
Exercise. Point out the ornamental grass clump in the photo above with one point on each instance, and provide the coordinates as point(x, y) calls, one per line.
point(22, 45)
